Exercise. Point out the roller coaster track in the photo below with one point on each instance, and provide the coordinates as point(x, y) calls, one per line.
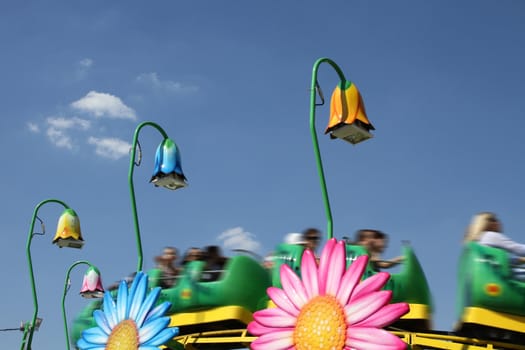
point(239, 338)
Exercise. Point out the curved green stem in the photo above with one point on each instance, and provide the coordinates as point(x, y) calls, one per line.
point(132, 188)
point(66, 287)
point(320, 171)
point(24, 336)
point(30, 263)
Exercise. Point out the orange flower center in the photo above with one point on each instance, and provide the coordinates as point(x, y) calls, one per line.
point(124, 336)
point(321, 324)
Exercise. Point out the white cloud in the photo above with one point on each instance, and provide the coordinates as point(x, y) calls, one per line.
point(86, 62)
point(104, 105)
point(83, 67)
point(153, 80)
point(33, 127)
point(237, 238)
point(59, 138)
point(68, 123)
point(110, 147)
point(57, 130)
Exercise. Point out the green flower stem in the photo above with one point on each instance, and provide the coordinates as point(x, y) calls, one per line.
point(31, 274)
point(24, 336)
point(320, 171)
point(66, 287)
point(132, 188)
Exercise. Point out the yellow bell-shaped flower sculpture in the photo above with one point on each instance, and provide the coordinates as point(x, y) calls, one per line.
point(348, 120)
point(68, 230)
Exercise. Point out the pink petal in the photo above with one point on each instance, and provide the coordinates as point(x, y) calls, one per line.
point(362, 338)
point(324, 264)
point(366, 306)
point(309, 274)
point(350, 279)
point(293, 287)
point(256, 328)
point(371, 284)
point(385, 316)
point(282, 301)
point(337, 268)
point(277, 340)
point(274, 317)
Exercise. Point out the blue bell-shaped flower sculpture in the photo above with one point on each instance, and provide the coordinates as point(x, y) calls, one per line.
point(168, 170)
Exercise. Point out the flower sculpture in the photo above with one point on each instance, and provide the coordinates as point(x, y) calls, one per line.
point(68, 230)
point(92, 284)
point(348, 119)
point(168, 169)
point(132, 323)
point(329, 308)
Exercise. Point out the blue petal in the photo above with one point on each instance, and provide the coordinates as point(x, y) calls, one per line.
point(150, 329)
point(146, 306)
point(133, 288)
point(158, 159)
point(101, 321)
point(122, 301)
point(148, 348)
point(95, 336)
point(158, 311)
point(163, 336)
point(138, 297)
point(169, 159)
point(109, 310)
point(82, 344)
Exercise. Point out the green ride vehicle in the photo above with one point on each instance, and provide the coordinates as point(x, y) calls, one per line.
point(490, 297)
point(228, 302)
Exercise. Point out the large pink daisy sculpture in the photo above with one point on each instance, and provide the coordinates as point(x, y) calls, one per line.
point(329, 308)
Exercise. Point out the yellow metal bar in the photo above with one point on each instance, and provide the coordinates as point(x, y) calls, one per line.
point(217, 337)
point(418, 341)
point(443, 344)
point(417, 312)
point(493, 319)
point(212, 315)
point(451, 342)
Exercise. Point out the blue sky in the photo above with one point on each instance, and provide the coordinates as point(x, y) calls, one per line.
point(229, 82)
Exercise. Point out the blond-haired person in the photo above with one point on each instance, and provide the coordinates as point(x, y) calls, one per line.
point(486, 229)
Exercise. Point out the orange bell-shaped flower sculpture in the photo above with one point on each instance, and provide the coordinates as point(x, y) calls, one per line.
point(68, 230)
point(348, 120)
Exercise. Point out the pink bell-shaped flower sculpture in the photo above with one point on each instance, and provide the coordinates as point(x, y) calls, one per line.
point(92, 284)
point(68, 230)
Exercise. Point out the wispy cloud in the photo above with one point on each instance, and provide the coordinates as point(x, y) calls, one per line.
point(68, 123)
point(59, 138)
point(103, 105)
point(110, 147)
point(86, 62)
point(83, 67)
point(152, 80)
point(33, 127)
point(238, 238)
point(58, 127)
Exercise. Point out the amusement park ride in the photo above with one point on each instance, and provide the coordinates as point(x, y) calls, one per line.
point(215, 314)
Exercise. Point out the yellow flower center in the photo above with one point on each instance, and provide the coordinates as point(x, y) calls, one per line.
point(321, 324)
point(124, 336)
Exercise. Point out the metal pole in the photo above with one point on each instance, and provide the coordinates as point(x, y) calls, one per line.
point(66, 287)
point(24, 337)
point(132, 188)
point(320, 171)
point(31, 274)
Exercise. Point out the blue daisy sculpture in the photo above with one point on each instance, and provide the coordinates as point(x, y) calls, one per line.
point(132, 323)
